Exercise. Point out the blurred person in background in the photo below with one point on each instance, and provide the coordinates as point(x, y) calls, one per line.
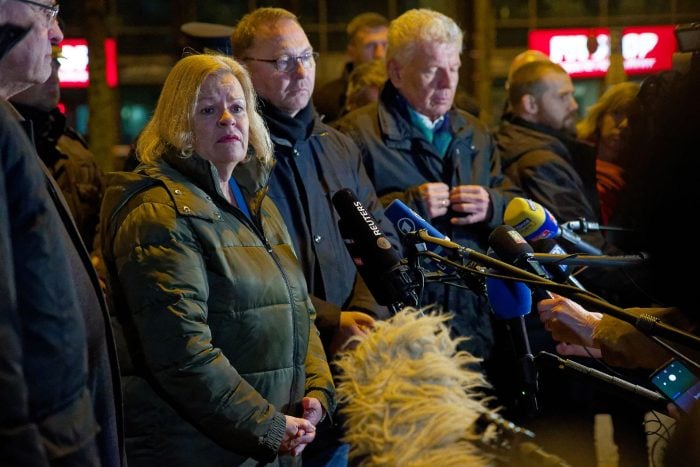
point(223, 364)
point(64, 151)
point(364, 84)
point(603, 126)
point(367, 39)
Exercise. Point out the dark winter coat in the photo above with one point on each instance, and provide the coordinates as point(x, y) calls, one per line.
point(61, 401)
point(399, 159)
point(218, 323)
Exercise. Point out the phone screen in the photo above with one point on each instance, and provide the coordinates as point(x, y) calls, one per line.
point(677, 383)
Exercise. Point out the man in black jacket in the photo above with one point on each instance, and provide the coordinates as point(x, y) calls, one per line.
point(64, 152)
point(60, 401)
point(539, 149)
point(314, 161)
point(439, 160)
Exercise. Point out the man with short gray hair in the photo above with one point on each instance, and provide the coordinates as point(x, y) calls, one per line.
point(439, 160)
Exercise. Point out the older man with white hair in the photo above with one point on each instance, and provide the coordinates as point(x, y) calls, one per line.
point(440, 160)
point(58, 403)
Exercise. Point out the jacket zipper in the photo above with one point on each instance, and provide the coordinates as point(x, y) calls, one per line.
point(258, 230)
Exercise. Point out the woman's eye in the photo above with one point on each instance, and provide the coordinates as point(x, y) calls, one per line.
point(206, 111)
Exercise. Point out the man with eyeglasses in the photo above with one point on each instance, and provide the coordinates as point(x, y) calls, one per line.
point(59, 385)
point(314, 161)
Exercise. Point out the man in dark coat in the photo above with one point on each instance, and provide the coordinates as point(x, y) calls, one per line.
point(367, 34)
point(61, 400)
point(64, 152)
point(539, 149)
point(314, 162)
point(441, 161)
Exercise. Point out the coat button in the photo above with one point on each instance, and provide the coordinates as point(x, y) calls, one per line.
point(178, 191)
point(218, 216)
point(472, 147)
point(317, 239)
point(186, 209)
point(296, 152)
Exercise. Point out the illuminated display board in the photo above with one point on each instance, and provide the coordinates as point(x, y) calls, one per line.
point(75, 67)
point(585, 52)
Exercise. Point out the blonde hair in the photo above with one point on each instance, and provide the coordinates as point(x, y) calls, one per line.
point(420, 25)
point(616, 98)
point(249, 27)
point(364, 75)
point(171, 126)
point(408, 396)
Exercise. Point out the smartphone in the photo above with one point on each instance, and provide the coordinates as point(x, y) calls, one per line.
point(680, 385)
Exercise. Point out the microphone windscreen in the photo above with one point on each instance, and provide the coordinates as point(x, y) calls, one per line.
point(508, 299)
point(508, 244)
point(532, 220)
point(370, 246)
point(559, 271)
point(406, 220)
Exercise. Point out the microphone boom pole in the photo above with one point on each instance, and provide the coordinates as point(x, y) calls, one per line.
point(647, 324)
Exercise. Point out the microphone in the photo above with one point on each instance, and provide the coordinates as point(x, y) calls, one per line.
point(560, 272)
point(510, 302)
point(606, 381)
point(385, 273)
point(533, 221)
point(512, 248)
point(407, 221)
point(584, 226)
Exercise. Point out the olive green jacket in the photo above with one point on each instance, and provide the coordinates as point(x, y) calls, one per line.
point(218, 325)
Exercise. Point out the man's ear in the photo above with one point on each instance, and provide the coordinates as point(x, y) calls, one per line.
point(394, 70)
point(529, 104)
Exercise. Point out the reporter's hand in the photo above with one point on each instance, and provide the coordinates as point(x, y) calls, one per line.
point(297, 434)
point(473, 201)
point(352, 323)
point(568, 321)
point(436, 198)
point(575, 350)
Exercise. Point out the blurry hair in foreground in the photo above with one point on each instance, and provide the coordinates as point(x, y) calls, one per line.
point(409, 397)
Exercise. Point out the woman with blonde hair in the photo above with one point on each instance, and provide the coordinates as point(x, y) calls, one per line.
point(603, 126)
point(222, 362)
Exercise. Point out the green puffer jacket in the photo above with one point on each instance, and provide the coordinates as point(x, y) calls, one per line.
point(218, 325)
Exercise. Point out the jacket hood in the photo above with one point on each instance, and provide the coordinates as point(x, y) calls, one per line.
point(517, 137)
point(172, 170)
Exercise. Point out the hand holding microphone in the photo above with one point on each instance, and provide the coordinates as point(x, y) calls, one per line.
point(568, 321)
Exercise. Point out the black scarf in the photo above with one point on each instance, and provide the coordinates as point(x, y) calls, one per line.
point(280, 124)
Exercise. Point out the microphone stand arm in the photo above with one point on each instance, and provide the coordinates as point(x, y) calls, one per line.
point(649, 325)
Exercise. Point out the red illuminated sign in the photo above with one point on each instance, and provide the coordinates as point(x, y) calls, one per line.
point(585, 52)
point(75, 69)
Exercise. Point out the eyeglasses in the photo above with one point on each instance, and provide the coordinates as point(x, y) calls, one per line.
point(51, 11)
point(287, 63)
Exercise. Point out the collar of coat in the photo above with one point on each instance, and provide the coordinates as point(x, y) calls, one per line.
point(395, 122)
point(251, 176)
